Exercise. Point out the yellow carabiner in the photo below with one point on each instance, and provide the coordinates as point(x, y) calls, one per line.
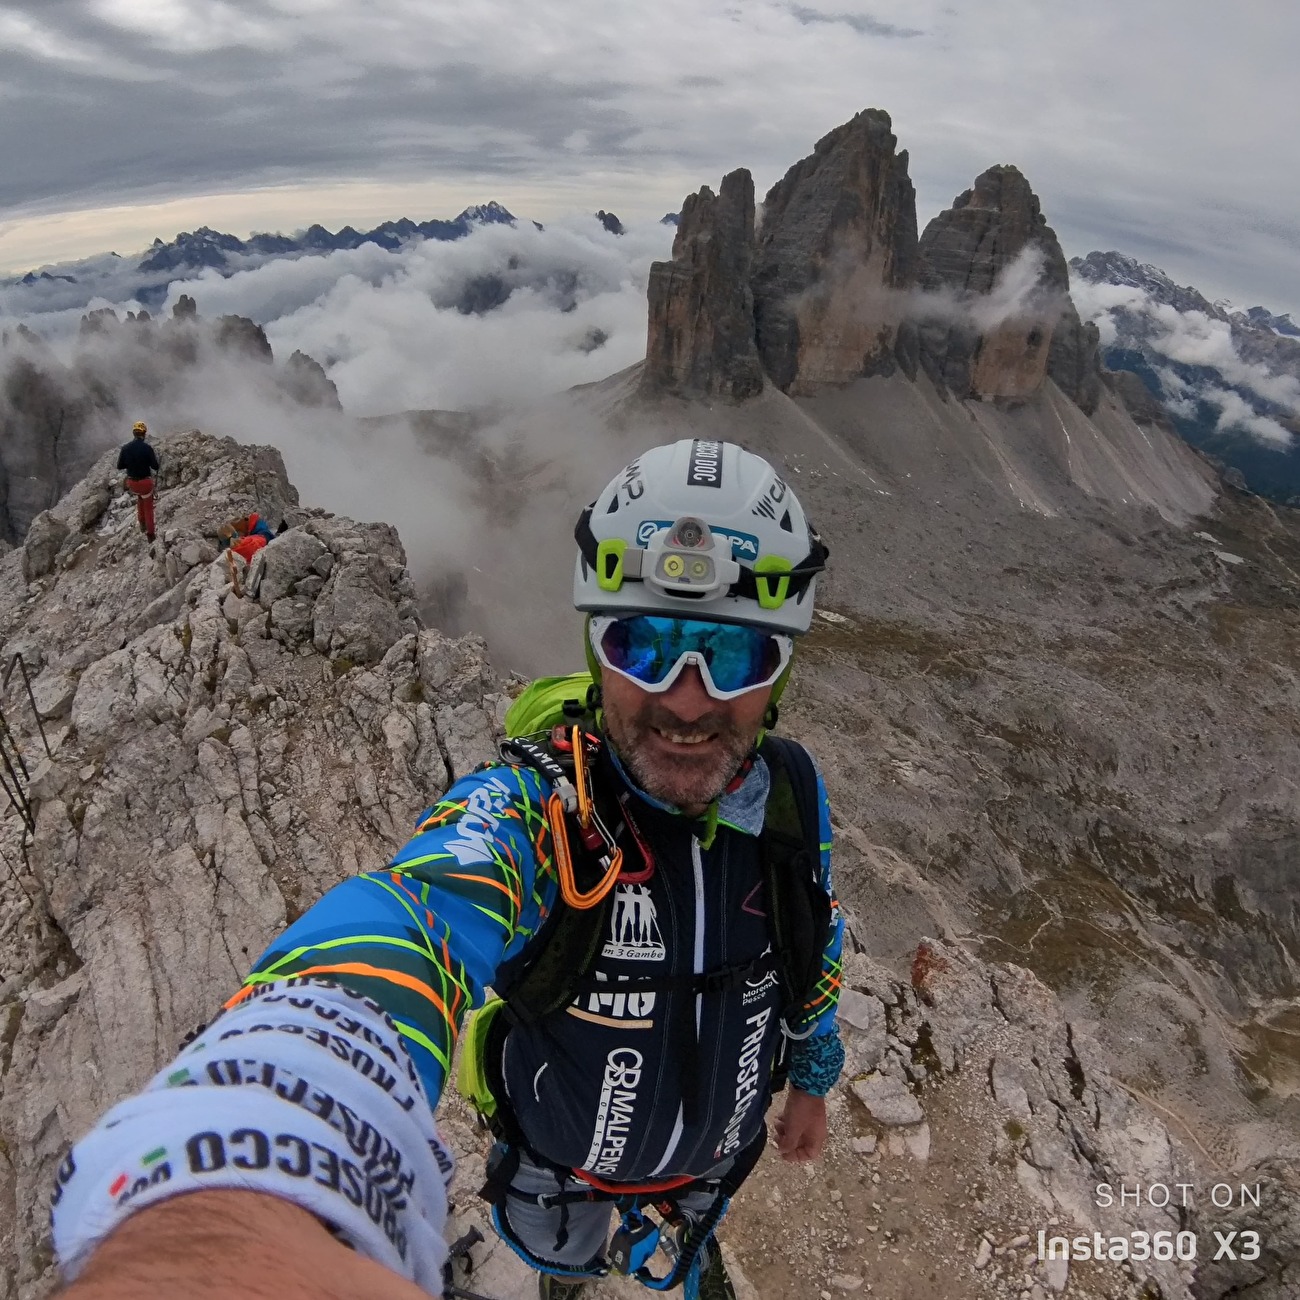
point(581, 778)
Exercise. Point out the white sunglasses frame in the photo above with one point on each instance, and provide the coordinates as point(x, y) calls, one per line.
point(599, 624)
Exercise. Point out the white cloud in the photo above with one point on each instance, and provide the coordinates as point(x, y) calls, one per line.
point(1095, 103)
point(1192, 339)
point(1017, 294)
point(21, 32)
point(1236, 413)
point(389, 327)
point(185, 26)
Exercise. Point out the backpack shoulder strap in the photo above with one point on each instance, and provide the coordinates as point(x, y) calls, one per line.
point(545, 976)
point(799, 909)
point(794, 803)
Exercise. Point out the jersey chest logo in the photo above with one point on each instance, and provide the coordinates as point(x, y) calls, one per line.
point(634, 926)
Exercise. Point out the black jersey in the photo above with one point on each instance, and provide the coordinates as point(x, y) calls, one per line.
point(138, 459)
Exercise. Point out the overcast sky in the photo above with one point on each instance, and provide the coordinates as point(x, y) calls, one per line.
point(1162, 128)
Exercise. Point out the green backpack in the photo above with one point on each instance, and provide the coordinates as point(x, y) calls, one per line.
point(541, 706)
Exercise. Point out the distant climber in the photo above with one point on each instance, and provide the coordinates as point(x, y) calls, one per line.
point(140, 462)
point(245, 536)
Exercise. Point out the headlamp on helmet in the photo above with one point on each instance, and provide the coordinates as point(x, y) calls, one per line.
point(689, 560)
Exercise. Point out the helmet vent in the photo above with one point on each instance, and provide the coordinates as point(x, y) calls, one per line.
point(613, 505)
point(785, 522)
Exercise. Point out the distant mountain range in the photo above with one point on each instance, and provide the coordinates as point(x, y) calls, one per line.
point(1228, 378)
point(205, 247)
point(148, 278)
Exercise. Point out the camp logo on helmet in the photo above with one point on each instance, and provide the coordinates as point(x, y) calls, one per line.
point(743, 545)
point(633, 484)
point(772, 498)
point(705, 466)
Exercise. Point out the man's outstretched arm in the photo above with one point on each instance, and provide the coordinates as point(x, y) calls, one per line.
point(232, 1246)
point(426, 936)
point(317, 1094)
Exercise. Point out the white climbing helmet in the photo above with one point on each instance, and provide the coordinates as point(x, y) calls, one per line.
point(699, 529)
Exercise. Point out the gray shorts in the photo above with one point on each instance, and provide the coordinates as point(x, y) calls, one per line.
point(540, 1230)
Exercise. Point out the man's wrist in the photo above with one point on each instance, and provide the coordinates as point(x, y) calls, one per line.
point(815, 1063)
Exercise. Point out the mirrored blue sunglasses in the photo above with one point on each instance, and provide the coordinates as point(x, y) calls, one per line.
point(732, 658)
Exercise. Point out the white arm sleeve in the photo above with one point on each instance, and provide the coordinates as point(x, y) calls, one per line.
point(305, 1092)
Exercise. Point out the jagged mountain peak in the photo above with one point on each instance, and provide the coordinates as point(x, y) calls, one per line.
point(1120, 269)
point(830, 287)
point(488, 214)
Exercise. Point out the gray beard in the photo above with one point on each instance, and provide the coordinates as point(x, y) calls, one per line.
point(677, 783)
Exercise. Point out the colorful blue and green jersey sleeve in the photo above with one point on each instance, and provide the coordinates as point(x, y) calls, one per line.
point(820, 1009)
point(424, 937)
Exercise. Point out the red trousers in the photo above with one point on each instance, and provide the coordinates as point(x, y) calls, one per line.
point(143, 489)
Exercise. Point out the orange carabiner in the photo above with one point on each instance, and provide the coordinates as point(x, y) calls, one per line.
point(569, 890)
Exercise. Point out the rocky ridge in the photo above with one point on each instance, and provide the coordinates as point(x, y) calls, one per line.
point(226, 743)
point(229, 741)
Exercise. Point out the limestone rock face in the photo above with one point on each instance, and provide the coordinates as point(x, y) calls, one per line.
point(42, 414)
point(307, 383)
point(245, 337)
point(823, 292)
point(993, 254)
point(1074, 359)
point(212, 773)
point(701, 332)
point(1066, 1124)
point(838, 239)
point(46, 535)
point(1139, 401)
point(1274, 1272)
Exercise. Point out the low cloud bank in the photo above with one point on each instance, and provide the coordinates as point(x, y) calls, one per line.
point(1018, 294)
point(506, 314)
point(1250, 396)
